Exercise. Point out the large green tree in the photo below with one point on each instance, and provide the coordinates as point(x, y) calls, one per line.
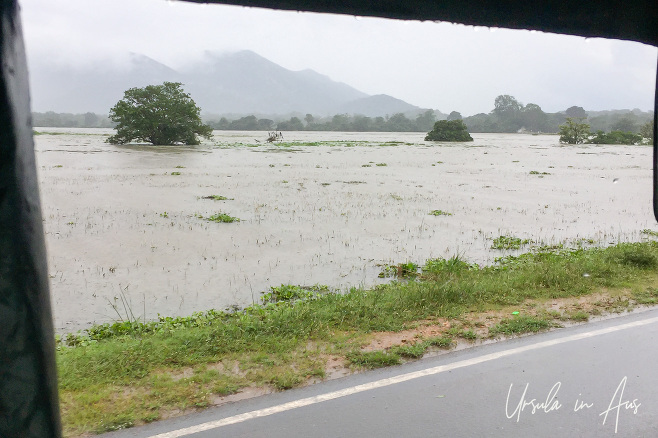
point(425, 121)
point(506, 106)
point(455, 115)
point(624, 124)
point(159, 114)
point(533, 118)
point(576, 112)
point(574, 131)
point(507, 111)
point(294, 124)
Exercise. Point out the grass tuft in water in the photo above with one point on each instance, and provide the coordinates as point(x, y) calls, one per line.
point(222, 217)
point(455, 264)
point(401, 270)
point(217, 198)
point(288, 293)
point(509, 242)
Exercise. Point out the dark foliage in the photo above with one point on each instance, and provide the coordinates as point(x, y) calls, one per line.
point(615, 137)
point(449, 130)
point(158, 114)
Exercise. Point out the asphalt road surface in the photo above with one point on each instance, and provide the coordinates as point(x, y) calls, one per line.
point(594, 380)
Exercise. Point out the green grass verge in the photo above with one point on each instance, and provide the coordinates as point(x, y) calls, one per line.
point(117, 375)
point(522, 324)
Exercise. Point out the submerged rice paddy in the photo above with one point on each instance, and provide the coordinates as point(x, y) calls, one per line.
point(130, 229)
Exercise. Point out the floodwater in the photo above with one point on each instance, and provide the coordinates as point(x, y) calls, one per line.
point(120, 228)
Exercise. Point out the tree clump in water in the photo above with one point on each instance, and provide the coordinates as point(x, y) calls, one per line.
point(158, 114)
point(449, 130)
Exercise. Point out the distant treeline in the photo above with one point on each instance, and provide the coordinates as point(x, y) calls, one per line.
point(52, 119)
point(508, 115)
point(340, 122)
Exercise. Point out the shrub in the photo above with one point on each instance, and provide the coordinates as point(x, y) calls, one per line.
point(449, 130)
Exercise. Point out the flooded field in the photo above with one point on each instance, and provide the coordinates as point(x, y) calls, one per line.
point(125, 224)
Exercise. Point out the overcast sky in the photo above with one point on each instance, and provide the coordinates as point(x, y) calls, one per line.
point(432, 65)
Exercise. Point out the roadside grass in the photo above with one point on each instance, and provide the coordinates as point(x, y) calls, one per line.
point(373, 359)
point(522, 324)
point(119, 375)
point(396, 354)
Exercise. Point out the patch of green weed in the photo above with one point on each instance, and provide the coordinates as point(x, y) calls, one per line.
point(372, 359)
point(579, 316)
point(401, 270)
point(521, 324)
point(217, 198)
point(444, 342)
point(287, 292)
point(509, 242)
point(648, 296)
point(222, 217)
point(415, 351)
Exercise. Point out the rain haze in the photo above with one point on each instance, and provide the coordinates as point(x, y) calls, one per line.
point(441, 66)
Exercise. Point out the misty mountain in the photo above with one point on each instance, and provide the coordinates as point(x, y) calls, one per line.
point(236, 83)
point(246, 83)
point(95, 88)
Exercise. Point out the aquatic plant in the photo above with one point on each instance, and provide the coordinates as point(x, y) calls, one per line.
point(288, 293)
point(217, 198)
point(401, 270)
point(509, 242)
point(222, 217)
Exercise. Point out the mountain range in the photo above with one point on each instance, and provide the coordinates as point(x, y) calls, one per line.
point(239, 83)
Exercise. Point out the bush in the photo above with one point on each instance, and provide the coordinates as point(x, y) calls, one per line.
point(615, 137)
point(449, 130)
point(574, 131)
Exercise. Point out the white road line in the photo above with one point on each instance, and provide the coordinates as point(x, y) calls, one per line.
point(392, 381)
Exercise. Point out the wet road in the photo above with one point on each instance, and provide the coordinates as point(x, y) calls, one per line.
point(593, 380)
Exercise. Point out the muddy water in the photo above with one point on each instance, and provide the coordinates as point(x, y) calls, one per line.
point(120, 226)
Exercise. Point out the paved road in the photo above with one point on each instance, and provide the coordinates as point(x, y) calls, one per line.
point(594, 380)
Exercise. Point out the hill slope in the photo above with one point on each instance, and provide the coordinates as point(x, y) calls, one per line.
point(238, 83)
